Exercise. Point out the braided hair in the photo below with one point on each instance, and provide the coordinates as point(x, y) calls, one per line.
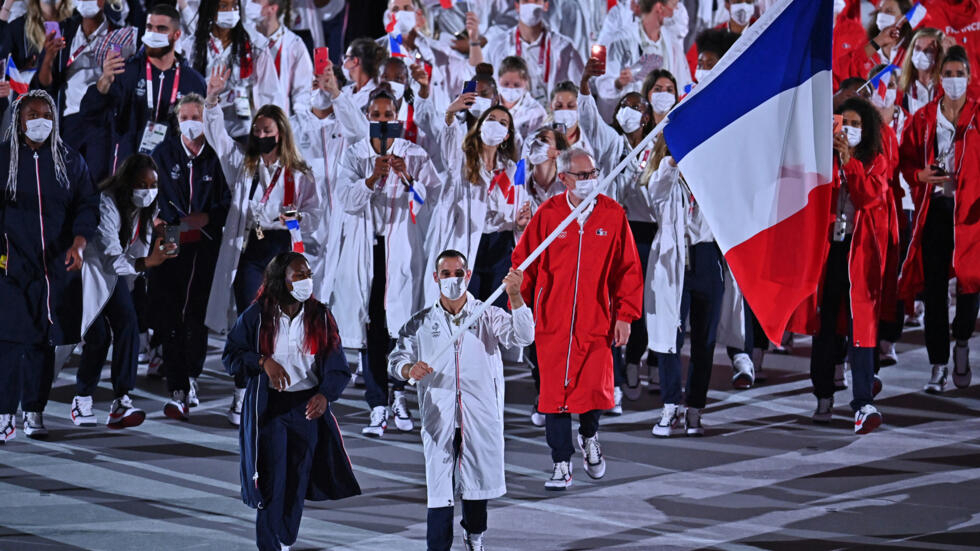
point(58, 150)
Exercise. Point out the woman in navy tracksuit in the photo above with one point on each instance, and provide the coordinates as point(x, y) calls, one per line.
point(287, 344)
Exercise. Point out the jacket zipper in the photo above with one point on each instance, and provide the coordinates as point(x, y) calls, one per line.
point(255, 460)
point(459, 408)
point(44, 252)
point(571, 330)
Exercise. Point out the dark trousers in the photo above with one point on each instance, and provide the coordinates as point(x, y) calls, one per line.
point(251, 268)
point(937, 253)
point(117, 325)
point(439, 520)
point(492, 264)
point(379, 341)
point(891, 330)
point(643, 234)
point(755, 337)
point(26, 374)
point(825, 353)
point(704, 287)
point(558, 431)
point(287, 441)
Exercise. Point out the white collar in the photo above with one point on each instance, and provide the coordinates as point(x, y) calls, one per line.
point(585, 213)
point(190, 155)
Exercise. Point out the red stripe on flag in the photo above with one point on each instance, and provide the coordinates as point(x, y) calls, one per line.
point(391, 23)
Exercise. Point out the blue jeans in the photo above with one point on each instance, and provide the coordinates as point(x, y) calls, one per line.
point(119, 315)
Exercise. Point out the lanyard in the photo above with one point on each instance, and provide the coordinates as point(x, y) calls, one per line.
point(214, 47)
point(76, 53)
point(544, 54)
point(289, 192)
point(149, 90)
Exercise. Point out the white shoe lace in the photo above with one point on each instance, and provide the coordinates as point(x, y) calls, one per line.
point(378, 415)
point(84, 405)
point(35, 419)
point(561, 471)
point(593, 453)
point(125, 402)
point(667, 416)
point(399, 407)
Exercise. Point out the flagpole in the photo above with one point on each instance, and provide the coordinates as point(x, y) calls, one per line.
point(470, 320)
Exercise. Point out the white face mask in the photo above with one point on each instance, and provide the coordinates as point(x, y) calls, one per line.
point(539, 152)
point(479, 106)
point(853, 135)
point(662, 102)
point(839, 6)
point(38, 130)
point(227, 19)
point(887, 101)
point(143, 198)
point(629, 119)
point(453, 288)
point(567, 117)
point(512, 95)
point(87, 8)
point(191, 129)
point(701, 74)
point(921, 60)
point(346, 71)
point(397, 88)
point(493, 133)
point(531, 14)
point(405, 21)
point(253, 11)
point(742, 13)
point(954, 87)
point(585, 187)
point(320, 100)
point(155, 40)
point(884, 20)
point(302, 289)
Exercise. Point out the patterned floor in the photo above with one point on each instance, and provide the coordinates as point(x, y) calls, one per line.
point(763, 477)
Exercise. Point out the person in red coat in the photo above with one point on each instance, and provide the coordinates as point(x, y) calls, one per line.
point(585, 290)
point(960, 20)
point(940, 159)
point(887, 35)
point(860, 259)
point(848, 32)
point(741, 14)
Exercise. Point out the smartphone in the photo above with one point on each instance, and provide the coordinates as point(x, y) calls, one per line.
point(470, 86)
point(386, 129)
point(116, 48)
point(939, 170)
point(288, 211)
point(52, 27)
point(171, 236)
point(599, 53)
point(321, 60)
point(838, 124)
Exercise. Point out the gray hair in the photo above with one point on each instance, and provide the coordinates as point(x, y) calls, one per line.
point(191, 97)
point(566, 157)
point(57, 148)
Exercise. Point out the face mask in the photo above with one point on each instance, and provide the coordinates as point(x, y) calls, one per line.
point(479, 106)
point(701, 74)
point(661, 102)
point(511, 95)
point(346, 71)
point(191, 129)
point(405, 21)
point(954, 87)
point(853, 135)
point(921, 60)
point(887, 101)
point(38, 130)
point(629, 119)
point(493, 133)
point(539, 152)
point(227, 19)
point(302, 289)
point(253, 11)
point(453, 288)
point(155, 40)
point(567, 117)
point(87, 8)
point(266, 144)
point(742, 13)
point(583, 188)
point(839, 6)
point(884, 20)
point(143, 198)
point(320, 100)
point(531, 14)
point(397, 88)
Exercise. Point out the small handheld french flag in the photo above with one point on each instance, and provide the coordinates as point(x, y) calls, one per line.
point(295, 236)
point(446, 4)
point(915, 15)
point(413, 200)
point(519, 173)
point(395, 45)
point(20, 81)
point(879, 82)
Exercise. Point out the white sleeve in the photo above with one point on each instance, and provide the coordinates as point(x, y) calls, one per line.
point(114, 258)
point(603, 138)
point(302, 80)
point(266, 89)
point(512, 330)
point(354, 124)
point(308, 204)
point(230, 153)
point(406, 347)
point(662, 181)
point(351, 187)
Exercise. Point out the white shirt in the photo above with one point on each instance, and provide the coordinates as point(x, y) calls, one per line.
point(268, 213)
point(291, 353)
point(946, 148)
point(85, 70)
point(922, 95)
point(582, 216)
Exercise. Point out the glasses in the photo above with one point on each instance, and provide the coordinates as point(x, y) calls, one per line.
point(586, 175)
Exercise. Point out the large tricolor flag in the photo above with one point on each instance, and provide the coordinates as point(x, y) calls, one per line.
point(753, 141)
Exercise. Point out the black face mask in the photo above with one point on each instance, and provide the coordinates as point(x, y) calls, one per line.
point(266, 144)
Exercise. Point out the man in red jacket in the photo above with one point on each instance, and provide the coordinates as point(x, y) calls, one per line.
point(585, 289)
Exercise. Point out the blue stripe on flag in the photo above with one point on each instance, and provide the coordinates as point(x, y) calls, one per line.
point(519, 171)
point(796, 45)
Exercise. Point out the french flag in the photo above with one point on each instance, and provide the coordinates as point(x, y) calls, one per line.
point(395, 45)
point(295, 236)
point(754, 144)
point(879, 82)
point(916, 14)
point(415, 201)
point(20, 81)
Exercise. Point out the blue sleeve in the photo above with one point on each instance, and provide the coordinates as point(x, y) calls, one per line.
point(240, 354)
point(165, 184)
point(220, 198)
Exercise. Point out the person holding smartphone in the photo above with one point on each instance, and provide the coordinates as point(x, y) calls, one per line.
point(294, 68)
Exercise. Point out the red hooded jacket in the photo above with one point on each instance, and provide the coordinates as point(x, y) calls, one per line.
point(960, 20)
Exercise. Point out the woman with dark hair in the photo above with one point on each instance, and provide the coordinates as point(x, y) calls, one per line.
point(361, 66)
point(125, 247)
point(564, 112)
point(274, 208)
point(940, 159)
point(861, 261)
point(888, 35)
point(515, 84)
point(287, 346)
point(221, 42)
point(660, 89)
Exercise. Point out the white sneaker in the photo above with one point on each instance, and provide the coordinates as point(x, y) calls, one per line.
point(937, 383)
point(961, 365)
point(192, 399)
point(176, 408)
point(34, 424)
point(866, 419)
point(399, 410)
point(537, 418)
point(379, 422)
point(671, 421)
point(887, 354)
point(122, 414)
point(840, 379)
point(155, 363)
point(918, 313)
point(617, 408)
point(825, 410)
point(693, 422)
point(8, 431)
point(235, 411)
point(561, 478)
point(744, 371)
point(758, 356)
point(473, 542)
point(81, 412)
point(632, 387)
point(595, 465)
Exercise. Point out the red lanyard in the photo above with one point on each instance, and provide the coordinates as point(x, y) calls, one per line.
point(278, 57)
point(544, 54)
point(74, 56)
point(136, 233)
point(214, 47)
point(149, 89)
point(411, 130)
point(289, 192)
